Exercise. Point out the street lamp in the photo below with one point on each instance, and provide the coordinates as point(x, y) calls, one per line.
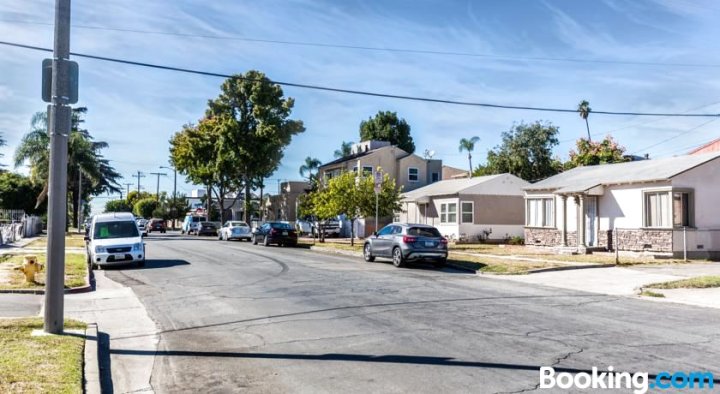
point(174, 202)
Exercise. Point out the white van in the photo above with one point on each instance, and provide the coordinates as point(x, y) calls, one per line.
point(113, 239)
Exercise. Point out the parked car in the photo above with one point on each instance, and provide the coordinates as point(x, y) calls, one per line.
point(191, 223)
point(403, 242)
point(331, 227)
point(235, 230)
point(305, 227)
point(141, 223)
point(279, 233)
point(114, 238)
point(206, 228)
point(155, 224)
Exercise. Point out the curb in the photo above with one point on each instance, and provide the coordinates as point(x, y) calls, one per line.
point(336, 251)
point(570, 268)
point(91, 365)
point(459, 268)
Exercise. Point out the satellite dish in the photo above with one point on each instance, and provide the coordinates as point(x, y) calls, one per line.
point(431, 153)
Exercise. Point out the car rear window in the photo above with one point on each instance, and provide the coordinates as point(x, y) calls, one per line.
point(108, 230)
point(196, 219)
point(238, 224)
point(424, 232)
point(281, 226)
point(208, 224)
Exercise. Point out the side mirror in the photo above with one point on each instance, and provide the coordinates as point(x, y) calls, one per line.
point(86, 238)
point(375, 233)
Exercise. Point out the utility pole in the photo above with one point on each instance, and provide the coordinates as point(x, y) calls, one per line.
point(127, 185)
point(138, 176)
point(157, 193)
point(80, 207)
point(60, 115)
point(174, 195)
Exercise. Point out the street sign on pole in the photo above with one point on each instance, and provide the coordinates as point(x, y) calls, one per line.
point(73, 71)
point(378, 187)
point(378, 181)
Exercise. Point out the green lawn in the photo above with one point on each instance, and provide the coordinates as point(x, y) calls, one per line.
point(72, 240)
point(43, 364)
point(700, 282)
point(75, 272)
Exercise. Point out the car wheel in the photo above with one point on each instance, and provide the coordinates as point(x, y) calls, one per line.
point(440, 263)
point(182, 232)
point(397, 257)
point(367, 253)
point(254, 240)
point(141, 263)
point(265, 241)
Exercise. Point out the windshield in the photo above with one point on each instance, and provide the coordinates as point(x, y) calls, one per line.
point(108, 230)
point(423, 232)
point(238, 224)
point(281, 226)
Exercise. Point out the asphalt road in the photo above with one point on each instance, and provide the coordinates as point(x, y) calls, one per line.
point(237, 317)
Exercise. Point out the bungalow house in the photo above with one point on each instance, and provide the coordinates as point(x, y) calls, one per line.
point(663, 206)
point(486, 207)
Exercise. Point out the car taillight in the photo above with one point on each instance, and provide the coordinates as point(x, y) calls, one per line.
point(444, 241)
point(409, 240)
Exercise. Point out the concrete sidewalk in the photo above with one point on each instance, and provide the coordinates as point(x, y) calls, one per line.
point(626, 281)
point(119, 314)
point(20, 305)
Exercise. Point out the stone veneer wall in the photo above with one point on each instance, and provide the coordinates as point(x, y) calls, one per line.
point(645, 239)
point(542, 236)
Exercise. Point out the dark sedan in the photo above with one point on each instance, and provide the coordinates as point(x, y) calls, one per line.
point(155, 225)
point(278, 233)
point(207, 228)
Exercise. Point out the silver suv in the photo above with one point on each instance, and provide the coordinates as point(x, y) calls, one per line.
point(404, 242)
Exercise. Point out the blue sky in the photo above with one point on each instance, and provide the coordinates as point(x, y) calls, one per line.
point(136, 110)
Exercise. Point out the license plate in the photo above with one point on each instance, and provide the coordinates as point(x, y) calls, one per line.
point(429, 243)
point(119, 257)
point(285, 233)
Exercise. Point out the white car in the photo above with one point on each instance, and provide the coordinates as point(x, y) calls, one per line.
point(114, 239)
point(235, 230)
point(141, 223)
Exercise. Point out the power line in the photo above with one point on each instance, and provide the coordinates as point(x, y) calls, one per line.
point(675, 136)
point(379, 49)
point(358, 92)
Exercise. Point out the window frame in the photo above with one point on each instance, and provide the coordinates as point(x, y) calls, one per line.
point(472, 212)
point(670, 208)
point(434, 177)
point(417, 174)
point(545, 220)
point(445, 213)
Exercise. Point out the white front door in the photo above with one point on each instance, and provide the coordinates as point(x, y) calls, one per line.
point(590, 221)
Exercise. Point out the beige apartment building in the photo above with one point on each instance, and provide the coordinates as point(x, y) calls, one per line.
point(409, 170)
point(284, 205)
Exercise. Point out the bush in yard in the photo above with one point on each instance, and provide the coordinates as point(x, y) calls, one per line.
point(516, 240)
point(145, 207)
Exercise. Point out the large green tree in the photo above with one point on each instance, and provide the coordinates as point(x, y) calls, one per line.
point(145, 207)
point(525, 151)
point(118, 206)
point(468, 145)
point(590, 153)
point(387, 126)
point(14, 192)
point(353, 195)
point(84, 158)
point(256, 126)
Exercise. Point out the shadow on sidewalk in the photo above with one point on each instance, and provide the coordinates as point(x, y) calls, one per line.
point(106, 383)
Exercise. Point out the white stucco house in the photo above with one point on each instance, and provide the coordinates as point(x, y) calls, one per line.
point(655, 205)
point(487, 207)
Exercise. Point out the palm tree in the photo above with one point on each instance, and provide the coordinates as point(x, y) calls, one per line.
point(468, 145)
point(344, 151)
point(311, 164)
point(584, 110)
point(83, 158)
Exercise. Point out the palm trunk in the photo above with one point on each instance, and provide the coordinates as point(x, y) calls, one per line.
point(248, 203)
point(262, 208)
point(470, 161)
point(587, 125)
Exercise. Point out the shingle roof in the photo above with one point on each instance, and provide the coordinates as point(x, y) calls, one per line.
point(583, 178)
point(447, 187)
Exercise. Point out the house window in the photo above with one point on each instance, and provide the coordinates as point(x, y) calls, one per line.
point(466, 212)
point(435, 177)
point(539, 212)
point(367, 170)
point(681, 209)
point(657, 209)
point(448, 213)
point(413, 174)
